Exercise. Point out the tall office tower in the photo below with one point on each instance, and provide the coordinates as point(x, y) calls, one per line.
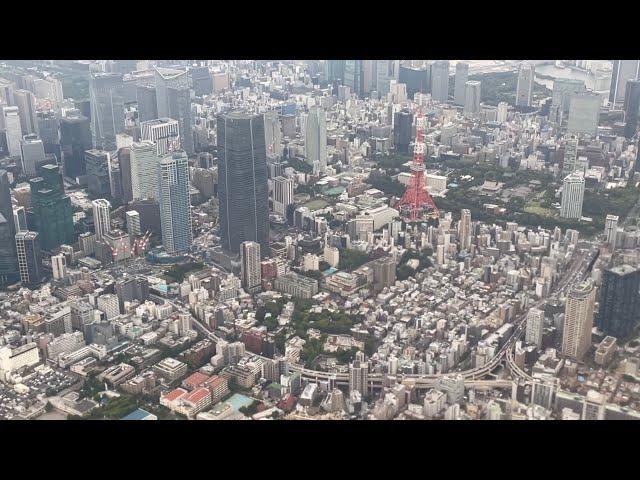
point(570, 156)
point(101, 217)
point(619, 301)
point(359, 377)
point(353, 75)
point(535, 326)
point(26, 103)
point(242, 181)
point(282, 195)
point(315, 141)
point(75, 139)
point(631, 107)
point(134, 227)
point(179, 100)
point(623, 71)
point(369, 77)
point(415, 78)
point(402, 125)
point(584, 113)
point(273, 134)
point(461, 78)
point(578, 320)
point(145, 164)
point(611, 230)
point(201, 81)
point(124, 160)
point(472, 98)
point(335, 71)
point(164, 132)
point(49, 89)
point(464, 229)
point(147, 103)
point(440, 81)
point(8, 262)
point(29, 257)
point(49, 132)
point(59, 266)
point(175, 207)
point(32, 154)
point(563, 90)
point(97, 169)
point(20, 218)
point(503, 109)
point(6, 92)
point(250, 266)
point(106, 93)
point(13, 130)
point(166, 78)
point(524, 89)
point(387, 70)
point(572, 196)
point(52, 211)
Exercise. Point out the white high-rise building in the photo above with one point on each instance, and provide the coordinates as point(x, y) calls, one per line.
point(471, 97)
point(611, 229)
point(59, 266)
point(31, 154)
point(584, 113)
point(26, 103)
point(316, 137)
point(524, 90)
point(578, 320)
point(503, 109)
point(461, 78)
point(250, 266)
point(174, 201)
point(163, 132)
point(464, 229)
point(109, 304)
point(145, 165)
point(273, 134)
point(535, 326)
point(282, 195)
point(13, 130)
point(331, 255)
point(20, 218)
point(101, 217)
point(572, 196)
point(133, 223)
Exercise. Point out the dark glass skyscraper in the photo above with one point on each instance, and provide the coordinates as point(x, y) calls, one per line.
point(29, 258)
point(75, 139)
point(415, 78)
point(106, 91)
point(8, 261)
point(619, 300)
point(242, 181)
point(97, 166)
point(52, 213)
point(147, 103)
point(402, 122)
point(631, 107)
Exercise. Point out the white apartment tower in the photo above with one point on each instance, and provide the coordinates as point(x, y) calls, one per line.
point(572, 196)
point(250, 266)
point(101, 217)
point(578, 320)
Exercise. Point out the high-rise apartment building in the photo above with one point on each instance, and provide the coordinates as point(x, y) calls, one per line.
point(316, 138)
point(174, 200)
point(464, 229)
point(242, 181)
point(578, 320)
point(535, 326)
point(282, 195)
point(145, 164)
point(101, 217)
point(572, 196)
point(250, 272)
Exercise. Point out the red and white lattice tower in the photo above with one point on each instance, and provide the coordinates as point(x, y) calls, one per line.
point(416, 201)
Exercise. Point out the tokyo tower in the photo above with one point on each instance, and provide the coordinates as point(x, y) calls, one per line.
point(416, 200)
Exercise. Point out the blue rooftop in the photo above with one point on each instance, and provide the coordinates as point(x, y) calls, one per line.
point(139, 414)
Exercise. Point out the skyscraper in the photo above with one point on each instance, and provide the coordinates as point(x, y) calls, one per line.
point(163, 132)
point(316, 137)
point(29, 258)
point(250, 266)
point(387, 70)
point(572, 196)
point(106, 93)
point(273, 134)
point(524, 89)
point(503, 109)
point(8, 261)
point(619, 301)
point(124, 160)
point(52, 211)
point(201, 81)
point(535, 326)
point(13, 130)
point(570, 156)
point(168, 78)
point(461, 78)
point(174, 101)
point(578, 320)
point(631, 107)
point(147, 103)
point(353, 75)
point(440, 81)
point(472, 98)
point(584, 113)
point(175, 207)
point(359, 377)
point(415, 78)
point(97, 170)
point(144, 171)
point(242, 181)
point(611, 230)
point(282, 195)
point(101, 217)
point(75, 139)
point(464, 229)
point(32, 154)
point(26, 103)
point(402, 125)
point(623, 71)
point(563, 90)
